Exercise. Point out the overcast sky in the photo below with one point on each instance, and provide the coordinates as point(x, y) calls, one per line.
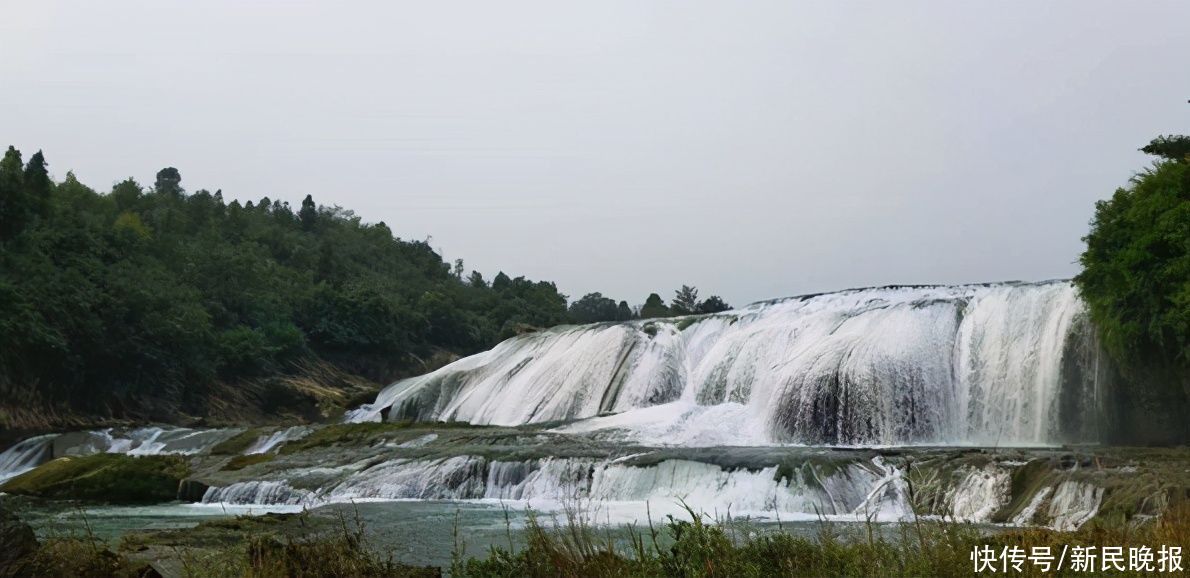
point(754, 149)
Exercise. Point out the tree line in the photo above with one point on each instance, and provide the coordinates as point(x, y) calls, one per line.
point(148, 289)
point(594, 307)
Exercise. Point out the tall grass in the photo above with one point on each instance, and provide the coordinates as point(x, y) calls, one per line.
point(574, 546)
point(694, 547)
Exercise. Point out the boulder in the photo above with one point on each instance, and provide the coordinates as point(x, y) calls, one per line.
point(18, 540)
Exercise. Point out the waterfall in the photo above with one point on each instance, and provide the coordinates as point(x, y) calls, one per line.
point(1073, 504)
point(1026, 515)
point(858, 489)
point(144, 441)
point(255, 492)
point(267, 443)
point(981, 492)
point(26, 455)
point(972, 364)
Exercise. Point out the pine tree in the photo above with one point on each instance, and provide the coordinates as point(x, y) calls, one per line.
point(14, 207)
point(308, 214)
point(654, 307)
point(37, 185)
point(685, 301)
point(623, 311)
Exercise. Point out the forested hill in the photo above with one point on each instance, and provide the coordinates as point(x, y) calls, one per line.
point(149, 303)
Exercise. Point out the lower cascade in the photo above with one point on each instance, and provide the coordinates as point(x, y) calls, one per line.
point(841, 488)
point(868, 488)
point(995, 364)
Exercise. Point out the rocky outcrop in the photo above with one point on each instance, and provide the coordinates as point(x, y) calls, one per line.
point(190, 490)
point(18, 541)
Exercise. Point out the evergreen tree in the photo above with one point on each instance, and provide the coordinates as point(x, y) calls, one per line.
point(713, 304)
point(14, 206)
point(308, 214)
point(593, 308)
point(623, 311)
point(501, 282)
point(126, 193)
point(37, 185)
point(169, 181)
point(1173, 147)
point(685, 301)
point(654, 307)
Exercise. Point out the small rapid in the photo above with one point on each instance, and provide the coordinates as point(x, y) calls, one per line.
point(145, 441)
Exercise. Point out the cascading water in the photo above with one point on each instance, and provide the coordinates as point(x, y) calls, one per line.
point(145, 441)
point(980, 493)
point(25, 456)
point(975, 364)
point(267, 443)
point(1073, 504)
point(867, 489)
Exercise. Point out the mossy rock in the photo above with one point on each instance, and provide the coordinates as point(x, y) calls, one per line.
point(241, 462)
point(236, 444)
point(363, 434)
point(112, 478)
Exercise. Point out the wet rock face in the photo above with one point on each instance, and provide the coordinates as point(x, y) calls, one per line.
point(191, 490)
point(18, 540)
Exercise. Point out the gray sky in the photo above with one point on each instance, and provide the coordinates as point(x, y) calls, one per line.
point(754, 149)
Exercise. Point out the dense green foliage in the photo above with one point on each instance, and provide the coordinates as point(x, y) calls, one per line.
point(151, 291)
point(594, 307)
point(1136, 268)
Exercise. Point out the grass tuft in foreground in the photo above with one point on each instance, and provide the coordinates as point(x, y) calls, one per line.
point(575, 548)
point(695, 548)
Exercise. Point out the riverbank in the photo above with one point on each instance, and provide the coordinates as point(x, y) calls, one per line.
point(344, 543)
